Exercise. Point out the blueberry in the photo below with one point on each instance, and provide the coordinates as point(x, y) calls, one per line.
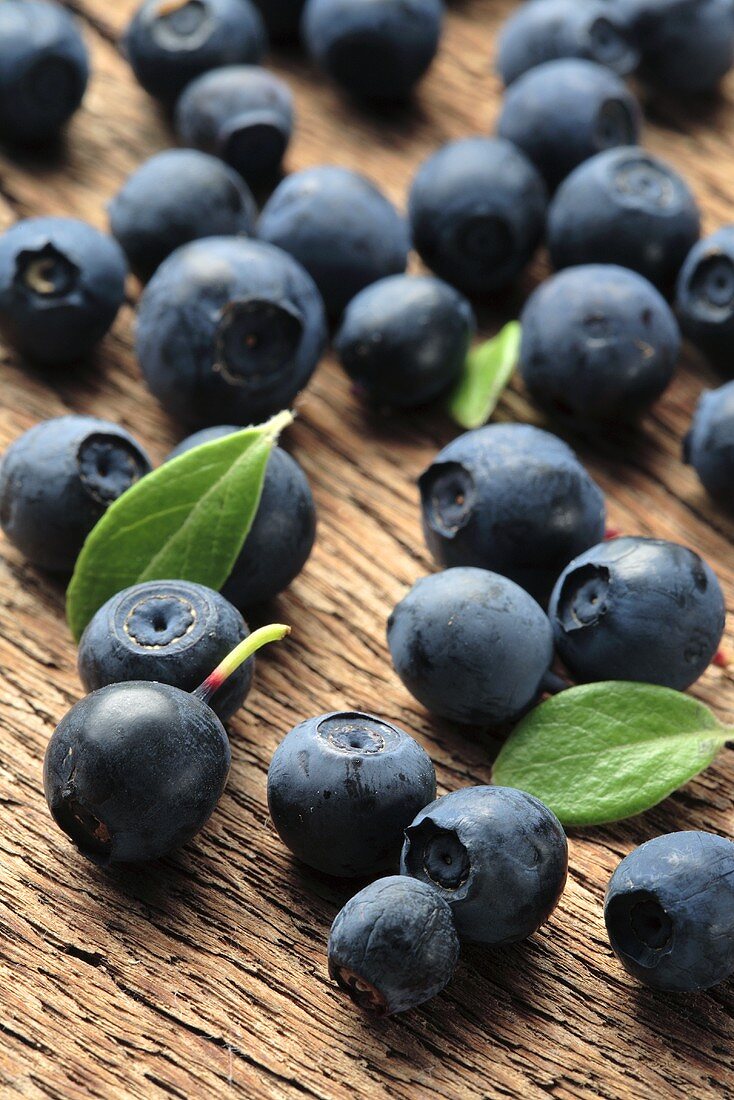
point(638, 609)
point(599, 343)
point(340, 227)
point(135, 770)
point(536, 33)
point(282, 17)
point(705, 295)
point(343, 787)
point(709, 446)
point(477, 212)
point(282, 535)
point(229, 329)
point(61, 286)
point(563, 112)
point(170, 42)
point(669, 911)
point(513, 499)
point(498, 856)
point(176, 197)
point(393, 946)
point(242, 114)
point(624, 207)
point(44, 69)
point(173, 632)
point(404, 339)
point(378, 50)
point(56, 481)
point(471, 646)
point(686, 45)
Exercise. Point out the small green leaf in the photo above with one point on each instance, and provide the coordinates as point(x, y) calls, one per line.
point(188, 520)
point(487, 371)
point(604, 752)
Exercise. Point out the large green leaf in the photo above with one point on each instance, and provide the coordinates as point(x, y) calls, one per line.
point(604, 752)
point(487, 371)
point(188, 520)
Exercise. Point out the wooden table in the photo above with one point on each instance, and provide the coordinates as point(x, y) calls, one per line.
point(206, 976)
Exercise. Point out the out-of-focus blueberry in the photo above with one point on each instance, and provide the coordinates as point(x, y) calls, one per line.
point(704, 296)
point(686, 45)
point(709, 446)
point(282, 17)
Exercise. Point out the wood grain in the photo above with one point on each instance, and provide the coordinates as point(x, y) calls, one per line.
point(206, 976)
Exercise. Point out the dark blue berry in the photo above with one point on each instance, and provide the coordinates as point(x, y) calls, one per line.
point(599, 343)
point(58, 479)
point(229, 329)
point(378, 50)
point(563, 112)
point(282, 535)
point(471, 646)
point(343, 787)
point(393, 946)
point(709, 446)
point(135, 770)
point(705, 295)
point(282, 17)
point(61, 286)
point(242, 114)
point(404, 340)
point(44, 69)
point(669, 911)
point(498, 856)
point(513, 499)
point(173, 632)
point(638, 609)
point(340, 227)
point(477, 213)
point(624, 207)
point(170, 42)
point(686, 45)
point(176, 197)
point(536, 33)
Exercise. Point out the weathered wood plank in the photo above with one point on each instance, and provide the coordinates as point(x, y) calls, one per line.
point(208, 977)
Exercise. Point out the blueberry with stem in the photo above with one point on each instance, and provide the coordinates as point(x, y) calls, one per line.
point(135, 770)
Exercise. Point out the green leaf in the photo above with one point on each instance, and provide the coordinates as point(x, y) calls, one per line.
point(487, 371)
point(188, 520)
point(604, 752)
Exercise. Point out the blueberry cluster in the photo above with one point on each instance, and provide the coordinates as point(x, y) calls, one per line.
point(244, 273)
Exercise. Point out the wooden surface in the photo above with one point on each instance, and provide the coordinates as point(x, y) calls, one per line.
point(206, 976)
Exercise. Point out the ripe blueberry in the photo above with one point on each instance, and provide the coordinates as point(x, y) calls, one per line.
point(471, 646)
point(173, 632)
point(709, 446)
point(404, 339)
point(686, 45)
point(178, 196)
point(170, 42)
point(282, 535)
point(599, 343)
point(393, 945)
point(378, 50)
point(624, 207)
point(513, 499)
point(638, 609)
point(44, 69)
point(669, 911)
point(477, 213)
point(705, 295)
point(56, 481)
point(61, 286)
point(229, 329)
point(340, 227)
point(498, 856)
point(343, 787)
point(242, 114)
point(536, 33)
point(563, 112)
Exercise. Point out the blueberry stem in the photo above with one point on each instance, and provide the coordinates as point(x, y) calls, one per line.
point(241, 653)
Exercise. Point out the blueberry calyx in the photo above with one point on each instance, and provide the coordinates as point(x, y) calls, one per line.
point(448, 493)
point(439, 853)
point(256, 337)
point(156, 621)
point(711, 287)
point(643, 928)
point(584, 597)
point(108, 465)
point(363, 993)
point(46, 272)
point(357, 734)
point(645, 185)
point(182, 24)
point(249, 136)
